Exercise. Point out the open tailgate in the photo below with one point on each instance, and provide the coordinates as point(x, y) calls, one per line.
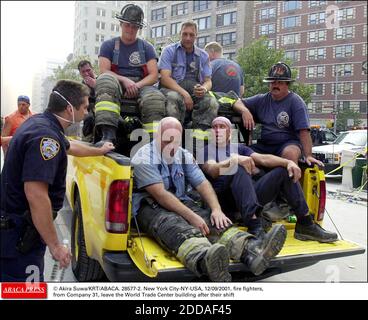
point(295, 254)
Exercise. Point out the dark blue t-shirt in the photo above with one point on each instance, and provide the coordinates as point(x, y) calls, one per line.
point(226, 75)
point(37, 152)
point(281, 120)
point(219, 154)
point(191, 68)
point(129, 57)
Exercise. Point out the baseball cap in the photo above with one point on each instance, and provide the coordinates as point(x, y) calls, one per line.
point(24, 99)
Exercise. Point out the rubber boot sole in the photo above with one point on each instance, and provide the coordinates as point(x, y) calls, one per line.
point(303, 237)
point(217, 263)
point(275, 241)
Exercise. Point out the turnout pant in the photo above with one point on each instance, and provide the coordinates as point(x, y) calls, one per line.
point(241, 192)
point(186, 242)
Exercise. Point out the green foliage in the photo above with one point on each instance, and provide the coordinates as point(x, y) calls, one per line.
point(70, 70)
point(256, 60)
point(343, 116)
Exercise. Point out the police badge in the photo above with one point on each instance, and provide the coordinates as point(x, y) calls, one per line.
point(49, 148)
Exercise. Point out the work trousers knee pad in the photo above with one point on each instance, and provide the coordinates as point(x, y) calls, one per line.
point(204, 111)
point(175, 106)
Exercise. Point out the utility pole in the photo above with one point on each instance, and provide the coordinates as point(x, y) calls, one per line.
point(336, 89)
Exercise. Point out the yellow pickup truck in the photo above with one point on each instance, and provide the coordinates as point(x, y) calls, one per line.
point(104, 239)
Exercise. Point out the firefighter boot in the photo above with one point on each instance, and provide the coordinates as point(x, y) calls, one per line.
point(108, 135)
point(306, 229)
point(257, 253)
point(215, 263)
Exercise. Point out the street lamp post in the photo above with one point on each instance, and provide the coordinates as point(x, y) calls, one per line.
point(336, 89)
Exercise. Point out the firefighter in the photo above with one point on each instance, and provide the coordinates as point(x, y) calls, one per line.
point(128, 69)
point(33, 184)
point(233, 169)
point(283, 116)
point(186, 81)
point(202, 239)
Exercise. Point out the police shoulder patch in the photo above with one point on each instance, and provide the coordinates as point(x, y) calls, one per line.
point(49, 148)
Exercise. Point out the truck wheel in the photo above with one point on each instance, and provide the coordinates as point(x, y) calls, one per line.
point(84, 268)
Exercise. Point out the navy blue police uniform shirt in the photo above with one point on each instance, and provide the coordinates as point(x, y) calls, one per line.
point(37, 152)
point(281, 120)
point(129, 57)
point(219, 154)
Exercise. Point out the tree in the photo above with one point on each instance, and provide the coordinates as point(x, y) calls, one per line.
point(344, 115)
point(256, 60)
point(70, 69)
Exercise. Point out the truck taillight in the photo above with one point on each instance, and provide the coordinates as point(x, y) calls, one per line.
point(116, 220)
point(322, 200)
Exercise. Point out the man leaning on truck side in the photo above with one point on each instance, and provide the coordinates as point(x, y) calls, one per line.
point(33, 184)
point(164, 210)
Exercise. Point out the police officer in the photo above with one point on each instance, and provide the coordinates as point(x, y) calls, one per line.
point(128, 69)
point(33, 184)
point(230, 168)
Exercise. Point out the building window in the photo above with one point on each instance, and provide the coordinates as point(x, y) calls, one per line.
point(319, 89)
point(364, 88)
point(85, 23)
point(344, 70)
point(202, 41)
point(226, 39)
point(226, 19)
point(343, 51)
point(267, 13)
point(363, 107)
point(291, 5)
point(289, 39)
point(292, 55)
point(114, 13)
point(97, 50)
point(100, 38)
point(158, 14)
point(346, 14)
point(317, 36)
point(315, 72)
point(316, 18)
point(201, 5)
point(224, 3)
point(271, 44)
point(84, 36)
point(342, 88)
point(100, 12)
point(318, 107)
point(316, 53)
point(114, 27)
point(100, 25)
point(344, 32)
point(230, 55)
point(175, 28)
point(266, 29)
point(203, 23)
point(158, 32)
point(84, 50)
point(179, 9)
point(291, 22)
point(313, 4)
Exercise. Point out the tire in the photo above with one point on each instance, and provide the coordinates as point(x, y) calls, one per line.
point(84, 268)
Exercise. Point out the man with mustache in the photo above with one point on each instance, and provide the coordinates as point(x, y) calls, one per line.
point(283, 116)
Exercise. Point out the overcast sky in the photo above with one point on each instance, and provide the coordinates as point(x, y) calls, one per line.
point(32, 32)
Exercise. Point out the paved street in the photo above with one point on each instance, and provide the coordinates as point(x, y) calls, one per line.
point(350, 218)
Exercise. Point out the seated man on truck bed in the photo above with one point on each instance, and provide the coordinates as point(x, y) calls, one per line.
point(230, 168)
point(164, 210)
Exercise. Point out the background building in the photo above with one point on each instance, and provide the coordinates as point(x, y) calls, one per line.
point(226, 22)
point(319, 45)
point(42, 86)
point(95, 22)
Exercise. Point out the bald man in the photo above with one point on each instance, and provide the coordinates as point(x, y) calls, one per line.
point(230, 168)
point(162, 170)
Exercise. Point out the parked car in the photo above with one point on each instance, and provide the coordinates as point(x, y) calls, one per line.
point(330, 155)
point(322, 136)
